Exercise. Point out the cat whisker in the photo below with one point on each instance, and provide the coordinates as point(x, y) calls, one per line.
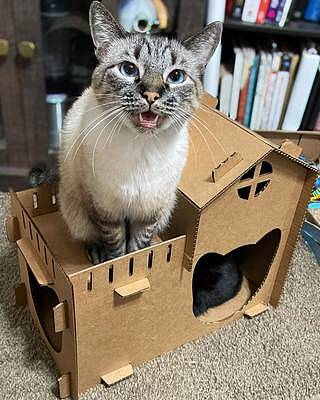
point(103, 118)
point(98, 138)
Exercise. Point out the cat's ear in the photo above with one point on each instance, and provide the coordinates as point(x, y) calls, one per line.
point(204, 43)
point(104, 28)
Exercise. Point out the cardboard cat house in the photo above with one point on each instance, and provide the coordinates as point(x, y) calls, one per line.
point(239, 193)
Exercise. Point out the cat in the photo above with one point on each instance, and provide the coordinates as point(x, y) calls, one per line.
point(216, 280)
point(125, 140)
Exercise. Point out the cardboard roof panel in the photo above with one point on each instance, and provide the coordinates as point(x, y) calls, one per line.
point(213, 139)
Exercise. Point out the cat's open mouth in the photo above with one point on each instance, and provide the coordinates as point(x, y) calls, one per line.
point(147, 119)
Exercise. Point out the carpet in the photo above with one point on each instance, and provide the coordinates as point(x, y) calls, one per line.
point(273, 356)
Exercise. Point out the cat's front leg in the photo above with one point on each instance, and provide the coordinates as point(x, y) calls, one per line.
point(112, 242)
point(140, 235)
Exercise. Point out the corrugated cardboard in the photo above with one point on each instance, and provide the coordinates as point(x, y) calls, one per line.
point(239, 193)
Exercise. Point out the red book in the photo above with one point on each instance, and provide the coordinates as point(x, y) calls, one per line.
point(229, 7)
point(243, 101)
point(263, 9)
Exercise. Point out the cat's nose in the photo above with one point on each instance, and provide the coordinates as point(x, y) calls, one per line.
point(151, 97)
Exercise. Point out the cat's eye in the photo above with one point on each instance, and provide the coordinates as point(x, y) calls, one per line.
point(176, 76)
point(128, 69)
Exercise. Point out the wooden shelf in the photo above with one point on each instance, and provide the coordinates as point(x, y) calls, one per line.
point(293, 28)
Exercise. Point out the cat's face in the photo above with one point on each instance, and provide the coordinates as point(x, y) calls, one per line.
point(149, 82)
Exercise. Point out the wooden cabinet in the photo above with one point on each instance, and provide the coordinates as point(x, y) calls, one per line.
point(23, 130)
point(24, 137)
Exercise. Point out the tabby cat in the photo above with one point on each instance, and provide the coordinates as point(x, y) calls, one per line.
point(125, 140)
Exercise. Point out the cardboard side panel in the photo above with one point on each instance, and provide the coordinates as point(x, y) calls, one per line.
point(40, 200)
point(137, 328)
point(255, 227)
point(299, 214)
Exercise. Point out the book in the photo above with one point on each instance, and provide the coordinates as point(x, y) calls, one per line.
point(298, 8)
point(272, 11)
point(229, 7)
point(237, 9)
point(251, 90)
point(295, 58)
point(312, 11)
point(265, 84)
point(281, 85)
point(285, 13)
point(250, 10)
point(226, 79)
point(259, 90)
point(236, 83)
point(312, 108)
point(248, 54)
point(269, 96)
point(280, 10)
point(301, 89)
point(262, 12)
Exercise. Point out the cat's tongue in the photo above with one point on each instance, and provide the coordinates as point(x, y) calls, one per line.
point(148, 119)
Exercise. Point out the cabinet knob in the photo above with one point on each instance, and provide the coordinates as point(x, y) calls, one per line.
point(26, 49)
point(4, 47)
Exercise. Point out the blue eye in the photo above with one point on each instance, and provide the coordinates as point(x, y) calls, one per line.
point(176, 76)
point(128, 69)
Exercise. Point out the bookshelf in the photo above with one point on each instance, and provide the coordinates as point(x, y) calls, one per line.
point(301, 29)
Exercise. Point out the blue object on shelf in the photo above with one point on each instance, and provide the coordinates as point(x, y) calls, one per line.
point(138, 15)
point(312, 11)
point(311, 235)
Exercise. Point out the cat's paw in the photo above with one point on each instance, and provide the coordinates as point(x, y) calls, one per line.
point(96, 253)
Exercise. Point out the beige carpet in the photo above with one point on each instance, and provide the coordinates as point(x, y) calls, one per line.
point(274, 356)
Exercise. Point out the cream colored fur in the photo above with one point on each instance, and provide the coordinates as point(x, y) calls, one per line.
point(133, 175)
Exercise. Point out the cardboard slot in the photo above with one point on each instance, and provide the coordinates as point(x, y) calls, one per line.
point(131, 266)
point(254, 261)
point(35, 200)
point(111, 274)
point(169, 252)
point(53, 199)
point(30, 231)
point(150, 259)
point(38, 245)
point(23, 219)
point(44, 300)
point(89, 283)
point(45, 255)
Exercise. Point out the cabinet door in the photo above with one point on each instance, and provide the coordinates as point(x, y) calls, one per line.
point(31, 77)
point(13, 142)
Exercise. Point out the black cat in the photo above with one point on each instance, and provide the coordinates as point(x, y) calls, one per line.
point(216, 279)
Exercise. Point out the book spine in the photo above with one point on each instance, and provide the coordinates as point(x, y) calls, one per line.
point(250, 10)
point(280, 10)
point(243, 100)
point(312, 12)
point(298, 9)
point(229, 7)
point(317, 124)
point(262, 12)
point(237, 9)
point(272, 12)
point(284, 17)
point(251, 91)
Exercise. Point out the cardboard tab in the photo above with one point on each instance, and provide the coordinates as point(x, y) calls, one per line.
point(291, 148)
point(226, 166)
point(12, 229)
point(64, 384)
point(21, 295)
point(34, 262)
point(117, 375)
point(60, 317)
point(133, 288)
point(256, 310)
